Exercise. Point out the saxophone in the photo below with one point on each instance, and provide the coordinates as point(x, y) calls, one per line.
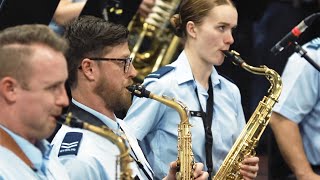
point(154, 43)
point(185, 159)
point(124, 158)
point(249, 137)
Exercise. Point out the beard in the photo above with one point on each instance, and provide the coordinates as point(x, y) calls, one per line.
point(114, 99)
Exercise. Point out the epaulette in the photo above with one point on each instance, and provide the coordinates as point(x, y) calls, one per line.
point(70, 144)
point(228, 78)
point(160, 72)
point(314, 44)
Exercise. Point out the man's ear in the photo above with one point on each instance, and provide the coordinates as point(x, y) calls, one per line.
point(191, 29)
point(88, 68)
point(8, 89)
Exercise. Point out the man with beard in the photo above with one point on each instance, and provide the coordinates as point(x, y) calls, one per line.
point(100, 71)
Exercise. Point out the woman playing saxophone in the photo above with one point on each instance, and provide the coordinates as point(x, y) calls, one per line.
point(216, 114)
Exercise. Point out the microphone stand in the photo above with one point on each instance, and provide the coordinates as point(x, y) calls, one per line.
point(303, 53)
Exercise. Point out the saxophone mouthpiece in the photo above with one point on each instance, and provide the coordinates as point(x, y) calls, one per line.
point(227, 53)
point(61, 119)
point(70, 120)
point(139, 90)
point(234, 56)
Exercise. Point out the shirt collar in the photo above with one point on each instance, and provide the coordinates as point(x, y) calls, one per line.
point(36, 153)
point(183, 68)
point(113, 125)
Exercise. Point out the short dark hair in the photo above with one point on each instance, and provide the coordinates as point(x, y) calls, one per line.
point(90, 36)
point(15, 48)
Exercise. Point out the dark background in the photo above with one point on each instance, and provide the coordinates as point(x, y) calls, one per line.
point(261, 25)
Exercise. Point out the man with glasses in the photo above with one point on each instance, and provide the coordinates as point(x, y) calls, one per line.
point(126, 61)
point(100, 71)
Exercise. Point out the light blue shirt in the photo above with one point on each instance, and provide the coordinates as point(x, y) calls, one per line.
point(300, 98)
point(97, 156)
point(155, 124)
point(46, 166)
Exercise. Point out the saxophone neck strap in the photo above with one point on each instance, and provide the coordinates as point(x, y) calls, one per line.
point(207, 122)
point(8, 142)
point(196, 113)
point(136, 159)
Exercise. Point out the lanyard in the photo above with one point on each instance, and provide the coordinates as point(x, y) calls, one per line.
point(135, 158)
point(207, 122)
point(140, 165)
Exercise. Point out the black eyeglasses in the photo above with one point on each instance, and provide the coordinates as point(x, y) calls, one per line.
point(127, 61)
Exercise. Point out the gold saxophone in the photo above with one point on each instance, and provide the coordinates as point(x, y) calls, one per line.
point(248, 139)
point(154, 43)
point(124, 158)
point(185, 159)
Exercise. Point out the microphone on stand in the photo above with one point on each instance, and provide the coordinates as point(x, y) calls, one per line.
point(294, 33)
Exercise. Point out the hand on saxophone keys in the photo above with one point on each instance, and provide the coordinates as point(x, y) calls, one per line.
point(198, 172)
point(249, 168)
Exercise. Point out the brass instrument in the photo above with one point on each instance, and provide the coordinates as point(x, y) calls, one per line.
point(185, 160)
point(154, 43)
point(124, 157)
point(250, 135)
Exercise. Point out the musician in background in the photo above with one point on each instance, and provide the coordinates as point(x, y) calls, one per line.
point(295, 119)
point(100, 71)
point(68, 10)
point(33, 71)
point(146, 7)
point(206, 27)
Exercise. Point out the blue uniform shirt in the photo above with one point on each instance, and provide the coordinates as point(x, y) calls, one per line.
point(46, 165)
point(155, 124)
point(96, 156)
point(300, 98)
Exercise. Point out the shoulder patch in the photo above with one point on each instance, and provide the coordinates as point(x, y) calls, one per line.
point(315, 44)
point(160, 72)
point(70, 144)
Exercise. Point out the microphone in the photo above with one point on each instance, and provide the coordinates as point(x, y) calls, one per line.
point(294, 33)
